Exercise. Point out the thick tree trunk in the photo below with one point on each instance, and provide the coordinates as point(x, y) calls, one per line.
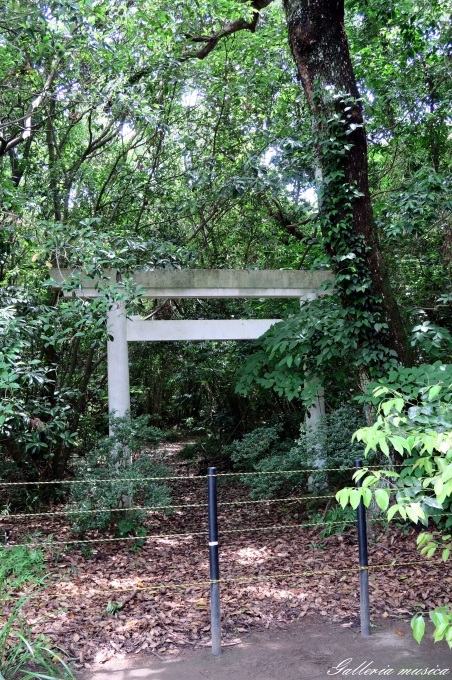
point(320, 48)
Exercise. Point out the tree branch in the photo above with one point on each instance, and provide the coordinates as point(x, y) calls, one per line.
point(27, 125)
point(279, 215)
point(211, 41)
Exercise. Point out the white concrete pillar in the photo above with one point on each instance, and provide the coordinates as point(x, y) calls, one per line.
point(316, 482)
point(316, 410)
point(118, 361)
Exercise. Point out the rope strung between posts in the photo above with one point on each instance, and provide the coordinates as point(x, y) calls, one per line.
point(282, 472)
point(242, 579)
point(177, 478)
point(158, 507)
point(184, 535)
point(290, 499)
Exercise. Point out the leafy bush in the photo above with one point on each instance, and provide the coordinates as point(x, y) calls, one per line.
point(416, 421)
point(335, 521)
point(35, 429)
point(127, 459)
point(263, 450)
point(432, 340)
point(323, 339)
point(330, 446)
point(206, 452)
point(190, 452)
point(256, 446)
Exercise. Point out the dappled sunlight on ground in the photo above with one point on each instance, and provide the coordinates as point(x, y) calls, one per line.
point(104, 600)
point(252, 556)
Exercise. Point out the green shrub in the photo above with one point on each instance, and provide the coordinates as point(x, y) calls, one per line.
point(190, 452)
point(330, 445)
point(23, 655)
point(127, 459)
point(264, 450)
point(414, 418)
point(207, 452)
point(256, 446)
point(420, 411)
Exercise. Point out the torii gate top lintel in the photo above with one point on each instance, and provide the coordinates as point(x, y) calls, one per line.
point(210, 283)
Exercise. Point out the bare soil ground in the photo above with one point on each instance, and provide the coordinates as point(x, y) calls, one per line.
point(308, 650)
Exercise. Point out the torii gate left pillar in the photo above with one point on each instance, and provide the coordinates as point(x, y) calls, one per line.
point(118, 361)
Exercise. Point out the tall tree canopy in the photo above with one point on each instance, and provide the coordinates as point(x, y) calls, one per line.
point(226, 134)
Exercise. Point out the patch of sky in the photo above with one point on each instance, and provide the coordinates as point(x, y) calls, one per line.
point(190, 98)
point(126, 132)
point(309, 195)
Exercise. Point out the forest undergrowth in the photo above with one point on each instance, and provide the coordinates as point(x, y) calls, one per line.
point(108, 598)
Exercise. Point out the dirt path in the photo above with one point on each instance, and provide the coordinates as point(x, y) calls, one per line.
point(313, 650)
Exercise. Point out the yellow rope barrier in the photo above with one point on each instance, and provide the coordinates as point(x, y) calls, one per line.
point(283, 472)
point(177, 477)
point(104, 540)
point(186, 535)
point(99, 481)
point(159, 507)
point(278, 500)
point(244, 579)
point(283, 526)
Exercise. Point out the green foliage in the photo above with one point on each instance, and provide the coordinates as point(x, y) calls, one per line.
point(410, 382)
point(91, 250)
point(191, 452)
point(417, 423)
point(255, 446)
point(205, 452)
point(337, 520)
point(331, 444)
point(141, 157)
point(442, 621)
point(138, 155)
point(265, 450)
point(320, 340)
point(33, 416)
point(127, 459)
point(432, 340)
point(24, 656)
point(347, 249)
point(39, 411)
point(20, 566)
point(348, 328)
point(112, 608)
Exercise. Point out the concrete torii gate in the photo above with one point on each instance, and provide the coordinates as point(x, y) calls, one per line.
point(191, 283)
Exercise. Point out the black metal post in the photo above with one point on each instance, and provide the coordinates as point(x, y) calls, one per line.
point(215, 625)
point(363, 561)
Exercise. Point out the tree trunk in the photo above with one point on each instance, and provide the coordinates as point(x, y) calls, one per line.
point(320, 48)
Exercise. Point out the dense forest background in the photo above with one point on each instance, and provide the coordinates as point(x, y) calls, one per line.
point(172, 134)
